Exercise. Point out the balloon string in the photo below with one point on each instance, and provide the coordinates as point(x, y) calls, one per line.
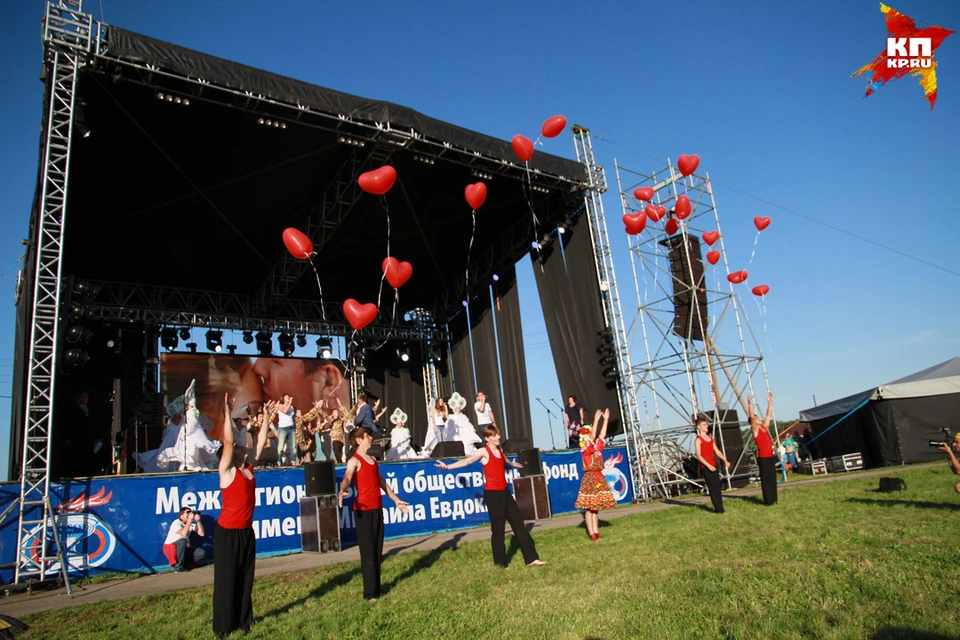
point(528, 196)
point(473, 231)
point(754, 252)
point(386, 208)
point(323, 309)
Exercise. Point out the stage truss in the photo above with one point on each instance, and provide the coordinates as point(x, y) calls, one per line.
point(684, 376)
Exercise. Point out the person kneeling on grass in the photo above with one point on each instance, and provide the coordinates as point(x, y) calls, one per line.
point(500, 503)
point(181, 546)
point(954, 464)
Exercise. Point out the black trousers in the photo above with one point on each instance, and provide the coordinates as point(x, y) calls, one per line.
point(712, 478)
point(338, 451)
point(235, 552)
point(370, 539)
point(768, 480)
point(502, 509)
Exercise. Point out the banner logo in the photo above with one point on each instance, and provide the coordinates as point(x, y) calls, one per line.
point(87, 541)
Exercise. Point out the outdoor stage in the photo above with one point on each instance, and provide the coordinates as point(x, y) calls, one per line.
point(118, 524)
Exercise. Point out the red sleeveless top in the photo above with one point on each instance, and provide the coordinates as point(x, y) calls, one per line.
point(706, 450)
point(764, 444)
point(238, 499)
point(495, 471)
point(367, 482)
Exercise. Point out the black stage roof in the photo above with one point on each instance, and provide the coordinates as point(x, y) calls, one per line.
point(197, 196)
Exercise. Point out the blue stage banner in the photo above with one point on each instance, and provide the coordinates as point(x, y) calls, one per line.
point(118, 524)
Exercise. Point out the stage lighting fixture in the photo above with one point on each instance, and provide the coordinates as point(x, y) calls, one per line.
point(192, 346)
point(248, 337)
point(436, 352)
point(232, 348)
point(301, 340)
point(214, 340)
point(404, 353)
point(265, 343)
point(111, 344)
point(610, 372)
point(76, 357)
point(285, 340)
point(77, 333)
point(184, 333)
point(324, 348)
point(168, 338)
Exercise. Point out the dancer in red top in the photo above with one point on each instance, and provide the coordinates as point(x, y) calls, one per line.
point(500, 503)
point(707, 454)
point(367, 508)
point(234, 544)
point(594, 493)
point(765, 460)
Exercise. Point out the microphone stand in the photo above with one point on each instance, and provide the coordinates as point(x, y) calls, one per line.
point(549, 422)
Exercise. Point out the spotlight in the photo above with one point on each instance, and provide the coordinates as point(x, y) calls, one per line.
point(184, 333)
point(285, 340)
point(78, 334)
point(76, 357)
point(168, 338)
point(110, 344)
point(265, 343)
point(214, 340)
point(232, 348)
point(248, 337)
point(192, 346)
point(436, 352)
point(496, 278)
point(324, 348)
point(301, 340)
point(404, 353)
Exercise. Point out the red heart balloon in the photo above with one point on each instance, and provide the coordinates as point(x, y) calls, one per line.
point(737, 276)
point(661, 212)
point(298, 244)
point(761, 290)
point(672, 226)
point(683, 207)
point(688, 164)
point(713, 257)
point(553, 126)
point(634, 222)
point(710, 237)
point(761, 223)
point(475, 194)
point(396, 272)
point(378, 181)
point(644, 194)
point(359, 315)
point(522, 147)
point(652, 212)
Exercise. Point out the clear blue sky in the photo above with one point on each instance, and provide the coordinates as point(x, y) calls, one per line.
point(760, 90)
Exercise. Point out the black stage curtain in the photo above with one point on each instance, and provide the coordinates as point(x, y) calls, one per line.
point(398, 384)
point(573, 313)
point(918, 421)
point(485, 352)
point(513, 363)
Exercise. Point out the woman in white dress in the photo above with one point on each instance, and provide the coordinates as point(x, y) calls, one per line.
point(438, 422)
point(460, 427)
point(400, 448)
point(187, 447)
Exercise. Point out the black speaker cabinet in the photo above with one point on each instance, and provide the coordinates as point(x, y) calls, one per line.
point(320, 478)
point(450, 449)
point(531, 495)
point(319, 524)
point(530, 459)
point(516, 445)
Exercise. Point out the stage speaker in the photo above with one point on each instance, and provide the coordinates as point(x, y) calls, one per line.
point(319, 524)
point(376, 452)
point(530, 459)
point(532, 497)
point(451, 449)
point(320, 478)
point(689, 290)
point(516, 445)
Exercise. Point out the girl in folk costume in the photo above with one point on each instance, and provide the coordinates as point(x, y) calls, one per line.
point(765, 460)
point(500, 504)
point(435, 432)
point(707, 453)
point(362, 471)
point(460, 427)
point(594, 493)
point(400, 448)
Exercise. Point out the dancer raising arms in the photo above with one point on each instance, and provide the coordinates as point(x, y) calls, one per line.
point(500, 504)
point(707, 454)
point(367, 508)
point(233, 539)
point(765, 459)
point(594, 493)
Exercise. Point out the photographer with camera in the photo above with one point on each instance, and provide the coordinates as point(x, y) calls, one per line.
point(181, 546)
point(945, 446)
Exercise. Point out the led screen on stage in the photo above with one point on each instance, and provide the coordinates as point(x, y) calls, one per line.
point(251, 381)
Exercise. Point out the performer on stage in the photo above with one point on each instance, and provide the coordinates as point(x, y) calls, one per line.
point(573, 418)
point(189, 448)
point(306, 442)
point(268, 414)
point(234, 543)
point(707, 453)
point(286, 431)
point(765, 459)
point(458, 425)
point(435, 432)
point(594, 493)
point(500, 503)
point(368, 508)
point(400, 448)
point(484, 411)
point(337, 437)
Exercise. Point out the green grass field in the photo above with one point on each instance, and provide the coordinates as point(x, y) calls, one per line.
point(835, 560)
